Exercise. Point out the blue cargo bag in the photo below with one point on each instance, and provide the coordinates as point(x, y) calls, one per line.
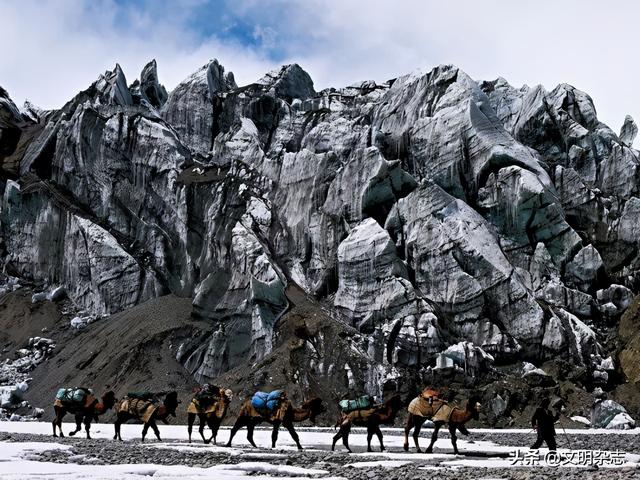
point(268, 401)
point(273, 400)
point(259, 400)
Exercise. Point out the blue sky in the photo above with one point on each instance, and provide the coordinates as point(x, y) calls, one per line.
point(52, 49)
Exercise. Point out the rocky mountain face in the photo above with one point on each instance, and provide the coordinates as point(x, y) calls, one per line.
point(442, 222)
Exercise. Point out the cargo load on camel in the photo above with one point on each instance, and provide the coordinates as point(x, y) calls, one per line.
point(207, 396)
point(74, 396)
point(427, 404)
point(145, 395)
point(267, 401)
point(360, 403)
point(137, 408)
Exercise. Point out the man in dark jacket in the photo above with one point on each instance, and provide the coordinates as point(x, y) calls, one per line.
point(543, 420)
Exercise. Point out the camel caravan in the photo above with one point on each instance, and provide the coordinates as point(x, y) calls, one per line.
point(210, 405)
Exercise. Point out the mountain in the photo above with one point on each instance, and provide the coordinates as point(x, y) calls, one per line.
point(369, 238)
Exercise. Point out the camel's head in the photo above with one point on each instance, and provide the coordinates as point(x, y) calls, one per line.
point(474, 406)
point(109, 400)
point(171, 403)
point(228, 393)
point(316, 407)
point(429, 393)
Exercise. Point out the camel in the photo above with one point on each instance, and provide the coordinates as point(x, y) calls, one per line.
point(209, 415)
point(87, 411)
point(420, 410)
point(372, 418)
point(146, 411)
point(286, 415)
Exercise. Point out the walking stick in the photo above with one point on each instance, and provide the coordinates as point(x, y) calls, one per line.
point(567, 437)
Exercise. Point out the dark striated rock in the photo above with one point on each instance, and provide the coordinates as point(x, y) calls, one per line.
point(192, 106)
point(150, 87)
point(290, 82)
point(628, 131)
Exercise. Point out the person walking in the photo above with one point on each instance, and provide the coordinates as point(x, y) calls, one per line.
point(542, 421)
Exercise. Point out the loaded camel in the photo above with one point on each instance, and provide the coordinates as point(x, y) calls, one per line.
point(285, 414)
point(372, 418)
point(424, 407)
point(85, 411)
point(210, 410)
point(147, 411)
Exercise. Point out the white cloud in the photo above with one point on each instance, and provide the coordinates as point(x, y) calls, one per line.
point(52, 50)
point(589, 44)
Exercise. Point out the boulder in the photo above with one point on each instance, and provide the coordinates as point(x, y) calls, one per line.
point(619, 295)
point(584, 269)
point(609, 414)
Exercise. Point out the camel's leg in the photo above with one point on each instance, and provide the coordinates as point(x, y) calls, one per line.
point(145, 429)
point(416, 432)
point(191, 418)
point(203, 423)
point(154, 427)
point(407, 429)
point(120, 419)
point(214, 425)
point(345, 436)
point(463, 429)
point(369, 437)
point(274, 434)
point(78, 419)
point(59, 423)
point(454, 438)
point(378, 433)
point(434, 437)
point(336, 437)
point(57, 420)
point(87, 426)
point(293, 433)
point(240, 422)
point(250, 428)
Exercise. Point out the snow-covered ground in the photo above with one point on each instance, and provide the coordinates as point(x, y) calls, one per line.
point(24, 459)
